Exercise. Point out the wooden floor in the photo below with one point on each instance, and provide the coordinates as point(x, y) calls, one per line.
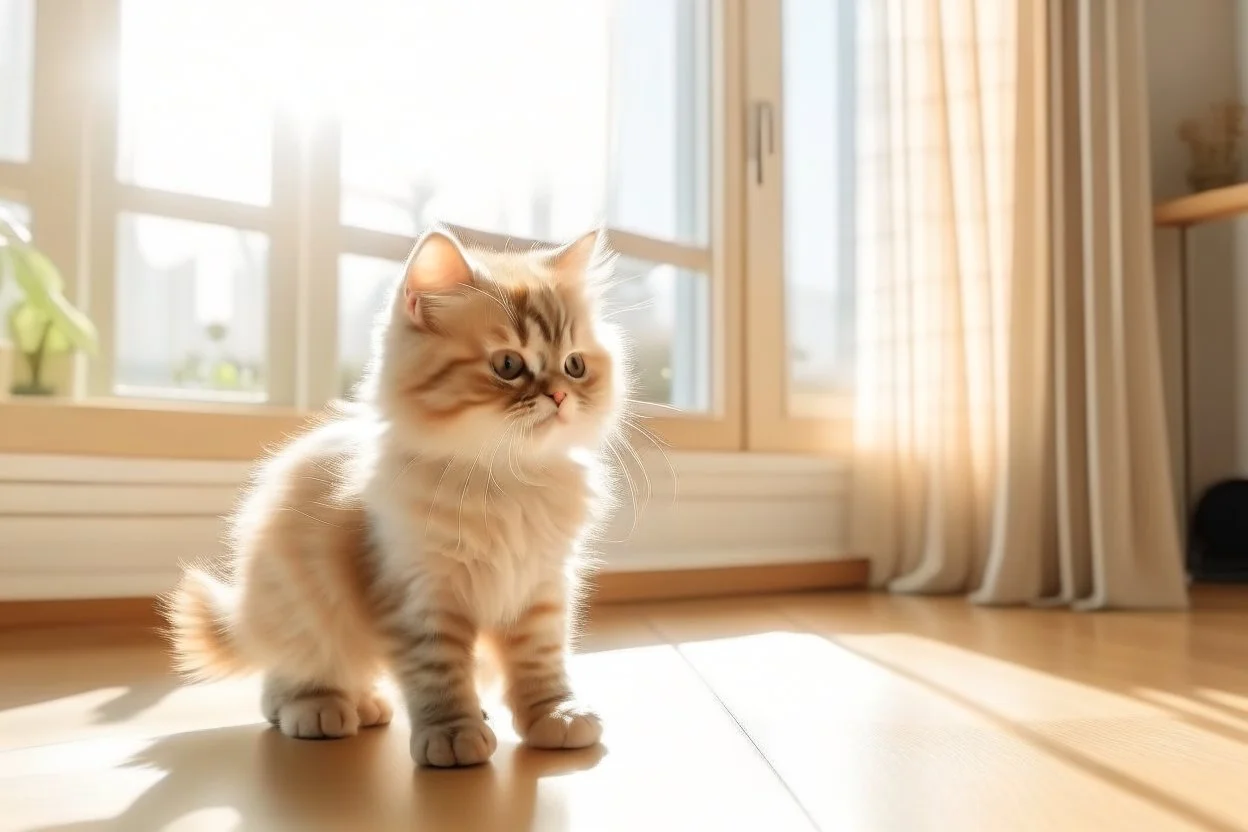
point(837, 712)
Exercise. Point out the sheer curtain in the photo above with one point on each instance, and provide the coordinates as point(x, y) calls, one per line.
point(1010, 437)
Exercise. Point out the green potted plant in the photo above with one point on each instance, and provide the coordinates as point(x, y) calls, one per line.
point(43, 323)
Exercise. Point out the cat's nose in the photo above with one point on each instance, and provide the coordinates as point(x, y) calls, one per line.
point(558, 396)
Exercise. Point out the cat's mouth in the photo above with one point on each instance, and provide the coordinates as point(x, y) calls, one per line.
point(549, 419)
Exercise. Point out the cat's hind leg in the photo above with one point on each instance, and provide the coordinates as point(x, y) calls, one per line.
point(310, 709)
point(320, 682)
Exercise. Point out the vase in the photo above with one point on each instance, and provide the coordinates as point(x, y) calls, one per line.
point(1208, 179)
point(57, 378)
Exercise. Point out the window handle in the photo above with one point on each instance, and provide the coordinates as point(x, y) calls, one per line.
point(762, 139)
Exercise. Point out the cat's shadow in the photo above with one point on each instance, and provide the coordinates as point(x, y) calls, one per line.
point(269, 782)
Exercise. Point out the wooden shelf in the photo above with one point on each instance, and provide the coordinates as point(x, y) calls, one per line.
point(1207, 206)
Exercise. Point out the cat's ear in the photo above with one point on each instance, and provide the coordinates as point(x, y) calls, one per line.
point(585, 260)
point(438, 263)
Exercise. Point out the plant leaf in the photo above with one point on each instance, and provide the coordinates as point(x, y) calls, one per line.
point(11, 229)
point(42, 284)
point(6, 261)
point(27, 323)
point(34, 272)
point(75, 327)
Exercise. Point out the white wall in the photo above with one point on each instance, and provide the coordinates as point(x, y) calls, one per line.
point(76, 527)
point(1192, 63)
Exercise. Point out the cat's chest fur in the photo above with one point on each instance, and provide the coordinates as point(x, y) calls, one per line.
point(493, 536)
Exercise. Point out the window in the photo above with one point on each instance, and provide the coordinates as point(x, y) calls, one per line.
point(817, 177)
point(364, 284)
point(801, 221)
point(9, 293)
point(251, 174)
point(17, 27)
point(192, 317)
point(194, 111)
point(524, 149)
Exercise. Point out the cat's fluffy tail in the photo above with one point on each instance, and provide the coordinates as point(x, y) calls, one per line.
point(200, 612)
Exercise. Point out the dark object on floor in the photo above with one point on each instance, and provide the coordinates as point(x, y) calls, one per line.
point(1217, 545)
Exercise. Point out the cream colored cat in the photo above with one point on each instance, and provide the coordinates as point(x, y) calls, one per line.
point(442, 513)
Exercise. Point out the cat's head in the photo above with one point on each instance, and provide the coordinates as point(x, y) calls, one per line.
point(489, 352)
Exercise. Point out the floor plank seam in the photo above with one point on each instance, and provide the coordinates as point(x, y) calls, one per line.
point(814, 824)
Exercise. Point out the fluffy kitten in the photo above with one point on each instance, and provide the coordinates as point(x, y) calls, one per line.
point(442, 513)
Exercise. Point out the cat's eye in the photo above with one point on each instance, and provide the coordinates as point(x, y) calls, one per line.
point(574, 365)
point(507, 364)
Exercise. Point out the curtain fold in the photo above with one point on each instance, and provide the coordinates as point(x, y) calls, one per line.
point(1009, 429)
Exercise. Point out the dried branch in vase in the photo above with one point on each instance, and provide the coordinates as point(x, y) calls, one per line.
point(1215, 144)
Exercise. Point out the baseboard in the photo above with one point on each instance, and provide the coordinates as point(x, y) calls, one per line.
point(673, 584)
point(609, 588)
point(79, 612)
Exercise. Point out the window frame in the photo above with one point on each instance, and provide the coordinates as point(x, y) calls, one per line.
point(75, 198)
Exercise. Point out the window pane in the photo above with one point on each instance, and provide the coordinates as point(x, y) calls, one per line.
point(17, 41)
point(9, 293)
point(192, 310)
point(196, 97)
point(15, 211)
point(510, 140)
point(364, 288)
point(818, 201)
point(666, 313)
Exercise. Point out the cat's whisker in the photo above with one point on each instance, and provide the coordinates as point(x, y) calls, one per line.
point(517, 472)
point(489, 474)
point(403, 471)
point(433, 501)
point(307, 478)
point(511, 463)
point(632, 488)
point(659, 446)
point(635, 307)
point(489, 468)
point(323, 522)
point(607, 284)
point(645, 403)
point(641, 466)
point(459, 536)
point(494, 297)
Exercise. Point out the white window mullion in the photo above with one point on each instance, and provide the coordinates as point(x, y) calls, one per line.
point(626, 243)
point(319, 353)
point(691, 363)
point(727, 217)
point(97, 48)
point(14, 180)
point(286, 261)
point(693, 258)
point(194, 208)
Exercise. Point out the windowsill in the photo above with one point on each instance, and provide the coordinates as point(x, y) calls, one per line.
point(197, 430)
point(143, 428)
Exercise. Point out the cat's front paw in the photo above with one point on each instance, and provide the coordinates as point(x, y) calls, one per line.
point(466, 744)
point(566, 726)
